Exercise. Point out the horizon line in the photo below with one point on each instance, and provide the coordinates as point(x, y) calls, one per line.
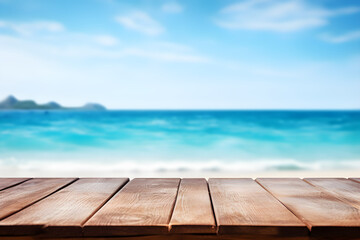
point(195, 109)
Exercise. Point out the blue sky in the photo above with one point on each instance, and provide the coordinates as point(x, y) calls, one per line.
point(156, 54)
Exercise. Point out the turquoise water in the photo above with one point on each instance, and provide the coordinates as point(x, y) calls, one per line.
point(183, 140)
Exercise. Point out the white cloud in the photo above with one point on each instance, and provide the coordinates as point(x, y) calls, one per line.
point(106, 40)
point(166, 56)
point(172, 7)
point(141, 22)
point(278, 16)
point(171, 46)
point(347, 37)
point(131, 52)
point(29, 28)
point(80, 47)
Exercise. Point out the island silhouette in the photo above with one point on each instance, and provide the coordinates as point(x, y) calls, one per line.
point(12, 102)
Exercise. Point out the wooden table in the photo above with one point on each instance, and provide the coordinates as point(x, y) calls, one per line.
point(172, 208)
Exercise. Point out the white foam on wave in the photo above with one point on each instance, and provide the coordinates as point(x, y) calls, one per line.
point(111, 166)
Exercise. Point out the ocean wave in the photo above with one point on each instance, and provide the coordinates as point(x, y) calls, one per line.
point(112, 166)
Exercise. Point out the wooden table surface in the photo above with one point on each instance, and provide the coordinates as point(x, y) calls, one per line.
point(173, 208)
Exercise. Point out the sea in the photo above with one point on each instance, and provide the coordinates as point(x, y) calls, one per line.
point(172, 140)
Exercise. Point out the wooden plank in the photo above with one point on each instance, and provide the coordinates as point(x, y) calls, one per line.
point(172, 237)
point(344, 189)
point(64, 212)
point(324, 214)
point(242, 206)
point(193, 211)
point(142, 207)
point(20, 196)
point(355, 179)
point(10, 182)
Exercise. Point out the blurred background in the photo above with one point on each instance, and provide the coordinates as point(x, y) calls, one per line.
point(179, 88)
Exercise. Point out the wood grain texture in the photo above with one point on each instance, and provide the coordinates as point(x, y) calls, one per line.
point(355, 179)
point(242, 206)
point(142, 207)
point(175, 237)
point(187, 237)
point(64, 212)
point(324, 214)
point(20, 196)
point(344, 189)
point(193, 211)
point(9, 182)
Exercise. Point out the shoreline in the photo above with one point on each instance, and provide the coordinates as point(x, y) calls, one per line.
point(182, 174)
point(180, 169)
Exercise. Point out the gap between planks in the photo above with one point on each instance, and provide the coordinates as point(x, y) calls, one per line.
point(242, 206)
point(63, 213)
point(343, 189)
point(315, 207)
point(296, 215)
point(51, 191)
point(107, 200)
point(6, 183)
point(192, 211)
point(146, 205)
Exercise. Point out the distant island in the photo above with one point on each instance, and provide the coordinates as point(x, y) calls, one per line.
point(13, 103)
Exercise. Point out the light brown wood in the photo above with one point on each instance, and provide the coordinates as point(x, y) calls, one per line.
point(10, 182)
point(142, 207)
point(64, 212)
point(193, 211)
point(176, 237)
point(355, 179)
point(324, 214)
point(242, 206)
point(146, 208)
point(18, 197)
point(344, 189)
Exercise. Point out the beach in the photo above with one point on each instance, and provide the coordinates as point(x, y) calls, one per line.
point(11, 171)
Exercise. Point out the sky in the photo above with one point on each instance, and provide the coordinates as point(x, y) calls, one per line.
point(190, 54)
